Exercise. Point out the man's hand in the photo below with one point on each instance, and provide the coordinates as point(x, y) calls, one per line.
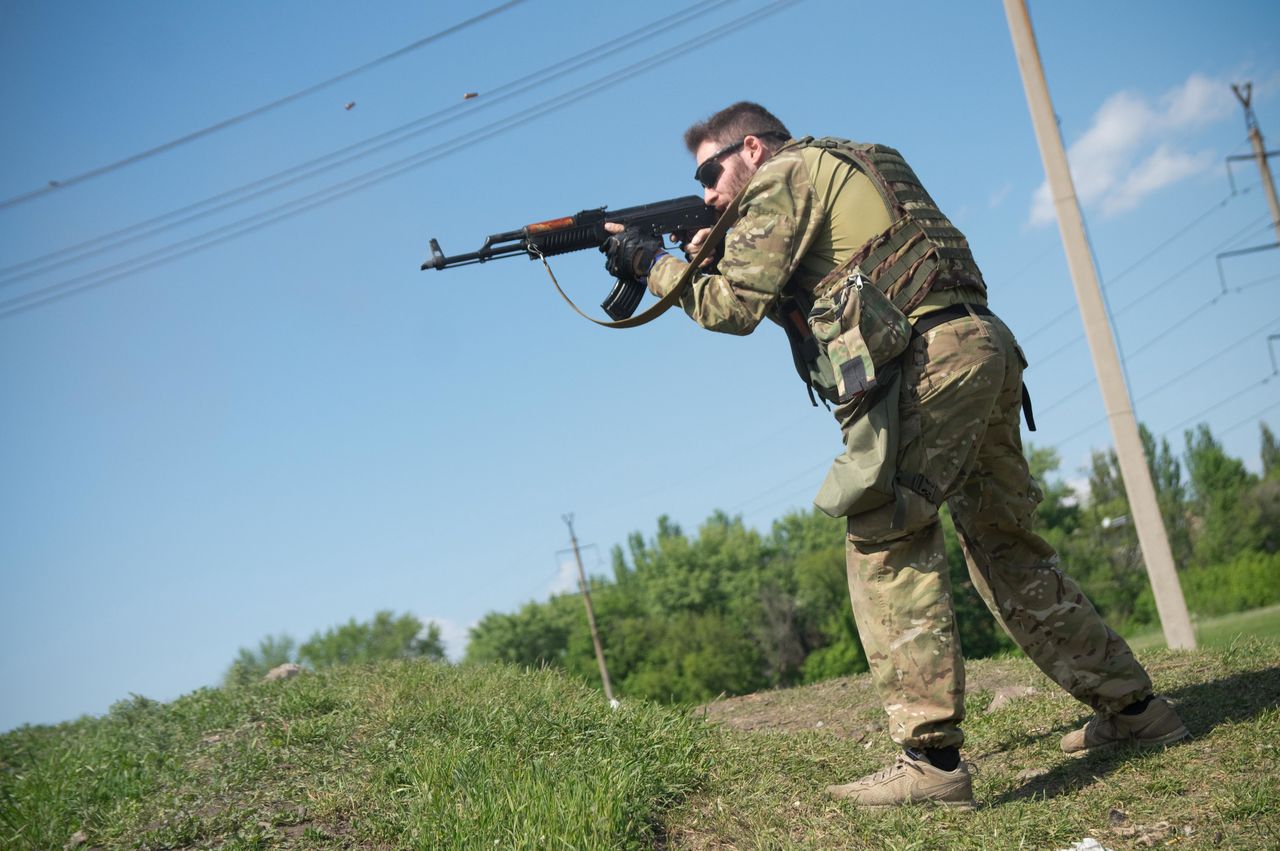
point(629, 253)
point(693, 245)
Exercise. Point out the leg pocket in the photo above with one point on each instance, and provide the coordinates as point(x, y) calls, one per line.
point(911, 510)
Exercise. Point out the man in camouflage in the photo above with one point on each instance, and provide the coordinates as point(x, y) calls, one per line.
point(811, 213)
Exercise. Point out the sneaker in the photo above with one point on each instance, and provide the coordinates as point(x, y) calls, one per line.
point(911, 779)
point(1155, 726)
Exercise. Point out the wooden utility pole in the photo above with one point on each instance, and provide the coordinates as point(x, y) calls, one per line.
point(1245, 95)
point(591, 615)
point(1152, 537)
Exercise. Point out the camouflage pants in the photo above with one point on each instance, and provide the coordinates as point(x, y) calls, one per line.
point(960, 417)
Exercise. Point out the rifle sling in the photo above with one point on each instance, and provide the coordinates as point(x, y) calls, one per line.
point(722, 225)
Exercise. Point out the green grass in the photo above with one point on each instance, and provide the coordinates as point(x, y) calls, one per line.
point(420, 755)
point(1217, 790)
point(408, 755)
point(1220, 631)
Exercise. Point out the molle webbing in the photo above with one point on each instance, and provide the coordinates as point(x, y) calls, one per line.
point(921, 251)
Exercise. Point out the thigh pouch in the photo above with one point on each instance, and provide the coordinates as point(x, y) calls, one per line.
point(864, 335)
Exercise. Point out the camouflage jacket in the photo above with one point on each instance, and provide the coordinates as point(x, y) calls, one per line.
point(803, 213)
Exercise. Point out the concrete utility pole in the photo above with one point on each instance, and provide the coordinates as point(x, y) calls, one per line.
point(1259, 152)
point(1143, 506)
point(591, 615)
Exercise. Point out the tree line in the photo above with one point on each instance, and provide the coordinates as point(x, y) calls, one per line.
point(730, 610)
point(386, 636)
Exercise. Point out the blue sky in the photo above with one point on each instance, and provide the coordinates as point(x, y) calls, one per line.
point(295, 426)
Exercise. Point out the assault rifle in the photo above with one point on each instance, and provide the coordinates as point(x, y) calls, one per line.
point(680, 216)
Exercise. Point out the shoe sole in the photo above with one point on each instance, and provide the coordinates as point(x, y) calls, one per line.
point(951, 805)
point(1142, 744)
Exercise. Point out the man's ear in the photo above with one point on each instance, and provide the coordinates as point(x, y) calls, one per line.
point(755, 150)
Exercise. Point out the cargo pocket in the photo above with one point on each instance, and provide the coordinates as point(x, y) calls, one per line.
point(863, 477)
point(865, 336)
point(862, 334)
point(895, 501)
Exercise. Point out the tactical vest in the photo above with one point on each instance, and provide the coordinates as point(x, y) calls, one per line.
point(919, 253)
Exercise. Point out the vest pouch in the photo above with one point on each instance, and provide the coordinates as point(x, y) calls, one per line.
point(864, 476)
point(862, 333)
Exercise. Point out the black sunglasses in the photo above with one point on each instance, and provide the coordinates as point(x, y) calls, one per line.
point(708, 173)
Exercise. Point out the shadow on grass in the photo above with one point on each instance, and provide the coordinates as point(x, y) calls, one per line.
point(1203, 706)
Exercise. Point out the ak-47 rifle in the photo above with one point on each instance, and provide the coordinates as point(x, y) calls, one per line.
point(681, 216)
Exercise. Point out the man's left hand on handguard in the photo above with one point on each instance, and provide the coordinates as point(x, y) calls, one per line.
point(629, 253)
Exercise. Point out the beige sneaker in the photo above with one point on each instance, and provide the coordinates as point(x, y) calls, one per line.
point(911, 779)
point(1156, 726)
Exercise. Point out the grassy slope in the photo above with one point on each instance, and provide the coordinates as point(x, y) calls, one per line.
point(429, 756)
point(1221, 631)
point(395, 756)
point(1217, 791)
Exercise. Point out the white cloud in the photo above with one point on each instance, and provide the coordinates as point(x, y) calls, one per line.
point(455, 636)
point(566, 579)
point(1110, 165)
point(1042, 212)
point(1199, 102)
point(1079, 488)
point(1163, 167)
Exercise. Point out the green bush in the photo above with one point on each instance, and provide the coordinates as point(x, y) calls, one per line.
point(1249, 581)
point(840, 659)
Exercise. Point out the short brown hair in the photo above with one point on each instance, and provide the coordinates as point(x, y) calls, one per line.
point(736, 122)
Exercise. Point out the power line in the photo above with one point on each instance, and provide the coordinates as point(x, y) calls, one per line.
point(1182, 374)
point(791, 494)
point(783, 500)
point(209, 239)
point(244, 116)
point(1216, 206)
point(1071, 394)
point(1256, 282)
point(1180, 377)
point(1067, 397)
point(1158, 337)
point(807, 471)
point(1249, 230)
point(1217, 404)
point(1181, 231)
point(1090, 427)
point(1247, 419)
point(350, 153)
point(1034, 261)
point(699, 472)
point(1161, 335)
point(1108, 315)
